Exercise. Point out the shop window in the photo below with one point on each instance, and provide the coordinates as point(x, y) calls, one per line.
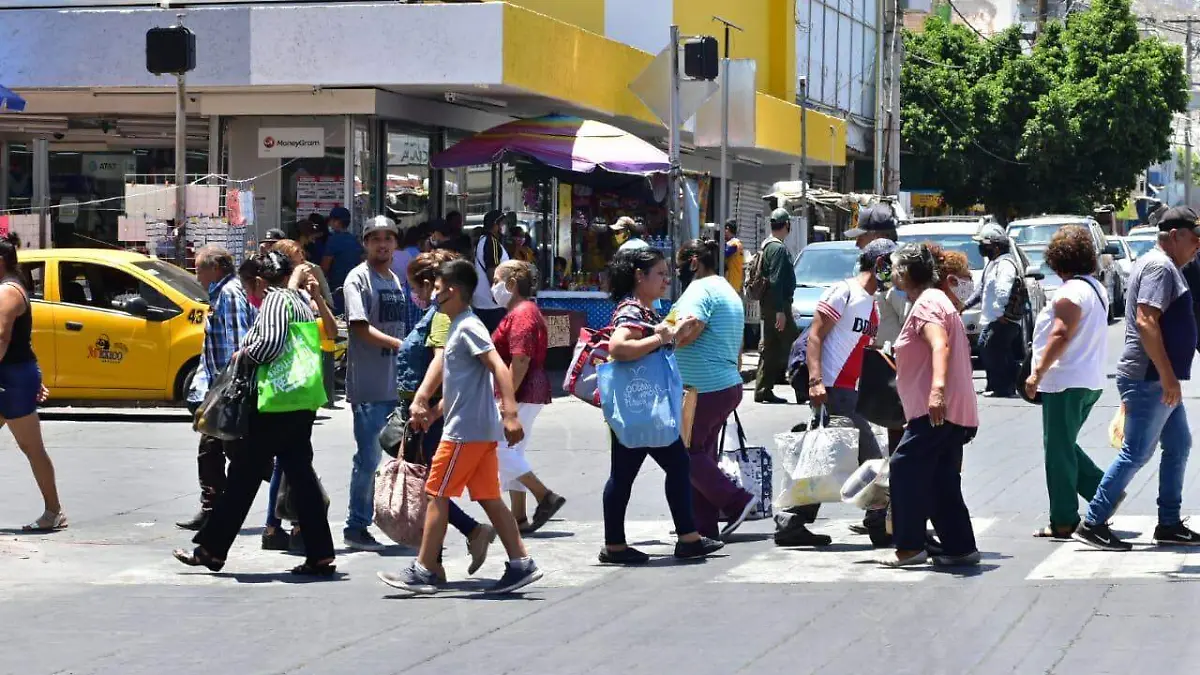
point(33, 275)
point(104, 287)
point(312, 185)
point(407, 196)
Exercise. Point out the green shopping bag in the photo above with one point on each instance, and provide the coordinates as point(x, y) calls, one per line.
point(294, 380)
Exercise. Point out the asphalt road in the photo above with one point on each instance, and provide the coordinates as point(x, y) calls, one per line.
point(105, 597)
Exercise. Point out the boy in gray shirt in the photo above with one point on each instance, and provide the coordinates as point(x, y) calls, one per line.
point(466, 456)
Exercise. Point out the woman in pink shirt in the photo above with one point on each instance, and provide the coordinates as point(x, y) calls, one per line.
point(933, 378)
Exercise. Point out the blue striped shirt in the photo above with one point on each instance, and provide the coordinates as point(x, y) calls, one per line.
point(229, 320)
point(710, 363)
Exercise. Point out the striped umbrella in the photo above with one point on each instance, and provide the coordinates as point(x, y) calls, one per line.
point(10, 101)
point(558, 141)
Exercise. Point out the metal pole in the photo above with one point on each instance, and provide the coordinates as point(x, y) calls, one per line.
point(4, 149)
point(1187, 131)
point(674, 228)
point(879, 94)
point(41, 189)
point(724, 211)
point(804, 141)
point(180, 170)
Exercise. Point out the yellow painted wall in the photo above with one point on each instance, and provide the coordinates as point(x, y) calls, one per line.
point(587, 14)
point(768, 36)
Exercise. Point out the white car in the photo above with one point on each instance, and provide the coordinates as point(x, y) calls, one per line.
point(956, 233)
point(1036, 232)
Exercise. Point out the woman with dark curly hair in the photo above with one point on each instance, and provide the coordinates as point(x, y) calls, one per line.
point(1069, 354)
point(636, 278)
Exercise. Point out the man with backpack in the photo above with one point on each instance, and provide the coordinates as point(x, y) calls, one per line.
point(772, 283)
point(1003, 294)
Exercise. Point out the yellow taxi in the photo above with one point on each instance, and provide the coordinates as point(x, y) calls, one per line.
point(114, 324)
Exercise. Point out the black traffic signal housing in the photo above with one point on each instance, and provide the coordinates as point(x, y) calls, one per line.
point(700, 58)
point(170, 50)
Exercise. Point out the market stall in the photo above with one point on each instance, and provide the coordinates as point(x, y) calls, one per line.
point(580, 176)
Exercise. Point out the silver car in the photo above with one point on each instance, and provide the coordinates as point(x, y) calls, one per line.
point(1036, 232)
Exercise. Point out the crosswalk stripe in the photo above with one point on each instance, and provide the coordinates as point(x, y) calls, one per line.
point(840, 562)
point(1072, 560)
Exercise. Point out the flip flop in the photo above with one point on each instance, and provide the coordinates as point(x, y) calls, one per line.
point(1048, 532)
point(309, 569)
point(48, 522)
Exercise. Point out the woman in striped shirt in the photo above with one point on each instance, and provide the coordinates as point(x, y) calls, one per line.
point(286, 436)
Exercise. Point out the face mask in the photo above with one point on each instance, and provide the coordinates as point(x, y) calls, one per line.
point(418, 301)
point(501, 293)
point(883, 272)
point(439, 300)
point(962, 288)
point(985, 251)
point(255, 301)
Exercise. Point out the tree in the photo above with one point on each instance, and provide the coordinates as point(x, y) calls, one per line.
point(1066, 125)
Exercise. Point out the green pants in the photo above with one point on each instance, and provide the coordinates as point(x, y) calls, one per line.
point(774, 349)
point(1070, 473)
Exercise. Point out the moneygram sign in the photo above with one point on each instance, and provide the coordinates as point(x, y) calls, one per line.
point(291, 142)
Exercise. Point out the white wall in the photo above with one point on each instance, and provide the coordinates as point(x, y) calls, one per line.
point(245, 163)
point(645, 24)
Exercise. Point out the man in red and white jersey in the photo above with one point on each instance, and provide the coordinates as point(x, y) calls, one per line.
point(844, 325)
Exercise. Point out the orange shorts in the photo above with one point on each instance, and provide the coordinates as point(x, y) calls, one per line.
point(457, 465)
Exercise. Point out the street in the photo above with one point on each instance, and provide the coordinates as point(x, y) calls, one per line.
point(105, 596)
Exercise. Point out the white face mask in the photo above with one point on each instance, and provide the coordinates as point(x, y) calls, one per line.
point(501, 293)
point(963, 288)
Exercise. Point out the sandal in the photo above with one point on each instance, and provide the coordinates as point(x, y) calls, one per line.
point(311, 569)
point(1048, 532)
point(49, 522)
point(198, 558)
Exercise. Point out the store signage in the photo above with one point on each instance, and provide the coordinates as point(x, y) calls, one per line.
point(408, 150)
point(109, 167)
point(291, 142)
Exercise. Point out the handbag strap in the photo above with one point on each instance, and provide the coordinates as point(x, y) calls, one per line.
point(741, 432)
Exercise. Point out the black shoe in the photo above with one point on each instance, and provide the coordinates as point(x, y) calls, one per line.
point(626, 556)
point(1099, 536)
point(700, 548)
point(799, 535)
point(517, 575)
point(277, 540)
point(879, 536)
point(768, 398)
point(933, 546)
point(545, 511)
point(296, 541)
point(196, 523)
point(859, 528)
point(1175, 535)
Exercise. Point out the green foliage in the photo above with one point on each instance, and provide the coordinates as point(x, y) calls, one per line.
point(1066, 125)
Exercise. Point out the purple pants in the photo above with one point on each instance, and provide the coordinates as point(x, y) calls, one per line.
point(712, 491)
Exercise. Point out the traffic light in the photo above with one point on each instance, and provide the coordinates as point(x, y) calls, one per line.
point(700, 58)
point(170, 50)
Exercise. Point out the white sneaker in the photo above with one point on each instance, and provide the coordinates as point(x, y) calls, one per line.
point(734, 524)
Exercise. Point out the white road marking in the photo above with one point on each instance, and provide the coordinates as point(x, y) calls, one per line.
point(835, 564)
point(1073, 560)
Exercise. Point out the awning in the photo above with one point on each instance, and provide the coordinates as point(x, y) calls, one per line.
point(9, 100)
point(558, 141)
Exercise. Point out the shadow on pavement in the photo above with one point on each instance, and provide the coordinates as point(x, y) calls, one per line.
point(179, 416)
point(284, 577)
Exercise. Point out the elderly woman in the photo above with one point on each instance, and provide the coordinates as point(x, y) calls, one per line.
point(933, 378)
point(1069, 354)
point(954, 275)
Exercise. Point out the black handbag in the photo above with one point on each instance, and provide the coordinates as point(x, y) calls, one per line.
point(878, 400)
point(391, 437)
point(226, 409)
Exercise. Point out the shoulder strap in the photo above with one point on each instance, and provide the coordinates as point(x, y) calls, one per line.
point(1094, 290)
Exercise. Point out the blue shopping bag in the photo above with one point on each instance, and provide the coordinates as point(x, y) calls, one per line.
point(642, 400)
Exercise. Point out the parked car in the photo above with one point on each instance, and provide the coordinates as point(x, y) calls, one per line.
point(1035, 232)
point(1140, 243)
point(819, 266)
point(114, 324)
point(955, 233)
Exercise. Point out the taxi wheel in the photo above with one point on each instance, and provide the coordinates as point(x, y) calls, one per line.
point(183, 381)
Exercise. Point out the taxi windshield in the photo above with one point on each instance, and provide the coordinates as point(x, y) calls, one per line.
point(175, 278)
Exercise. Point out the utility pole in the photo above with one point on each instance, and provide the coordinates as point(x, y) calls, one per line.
point(880, 16)
point(674, 220)
point(1187, 130)
point(723, 212)
point(803, 161)
point(181, 169)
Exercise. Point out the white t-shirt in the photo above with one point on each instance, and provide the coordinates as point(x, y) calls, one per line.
point(483, 290)
point(857, 323)
point(1082, 364)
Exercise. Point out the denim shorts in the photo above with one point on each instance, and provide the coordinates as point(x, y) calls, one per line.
point(21, 384)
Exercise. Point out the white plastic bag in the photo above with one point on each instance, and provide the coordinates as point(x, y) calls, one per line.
point(867, 487)
point(816, 463)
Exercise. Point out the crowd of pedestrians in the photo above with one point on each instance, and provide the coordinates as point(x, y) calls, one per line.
point(445, 336)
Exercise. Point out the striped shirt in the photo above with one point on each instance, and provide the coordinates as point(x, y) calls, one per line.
point(711, 362)
point(268, 336)
point(229, 321)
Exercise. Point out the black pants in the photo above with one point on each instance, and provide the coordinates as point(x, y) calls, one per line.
point(626, 463)
point(491, 318)
point(1000, 350)
point(926, 485)
point(288, 437)
point(210, 464)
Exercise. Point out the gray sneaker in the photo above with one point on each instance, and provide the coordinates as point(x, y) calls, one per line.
point(361, 540)
point(414, 579)
point(964, 560)
point(517, 574)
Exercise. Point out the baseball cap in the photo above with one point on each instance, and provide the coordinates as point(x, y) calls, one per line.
point(1179, 218)
point(990, 234)
point(878, 248)
point(380, 224)
point(622, 223)
point(876, 218)
point(275, 234)
point(781, 215)
point(340, 213)
point(491, 217)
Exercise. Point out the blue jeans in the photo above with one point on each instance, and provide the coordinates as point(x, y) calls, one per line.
point(1148, 422)
point(369, 420)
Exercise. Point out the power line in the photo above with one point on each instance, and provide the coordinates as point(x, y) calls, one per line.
point(972, 27)
point(973, 141)
point(934, 63)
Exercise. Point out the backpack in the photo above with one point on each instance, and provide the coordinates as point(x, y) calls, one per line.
point(757, 284)
point(1018, 296)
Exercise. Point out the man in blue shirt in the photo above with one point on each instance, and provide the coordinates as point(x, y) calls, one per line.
point(343, 252)
point(229, 320)
point(1160, 341)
